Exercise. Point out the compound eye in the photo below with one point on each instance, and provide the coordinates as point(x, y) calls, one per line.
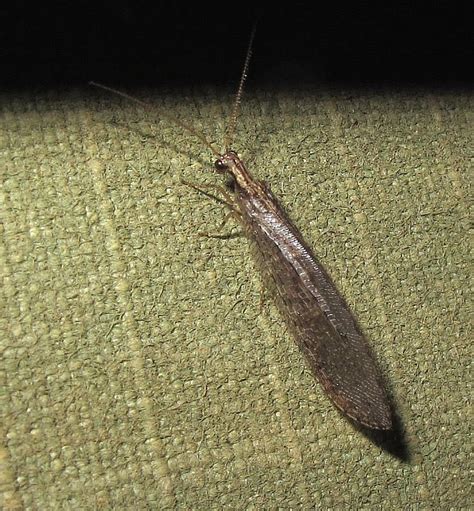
point(220, 166)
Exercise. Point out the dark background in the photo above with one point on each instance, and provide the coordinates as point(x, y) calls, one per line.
point(130, 44)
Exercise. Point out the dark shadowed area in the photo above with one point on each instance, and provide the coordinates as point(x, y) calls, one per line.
point(69, 44)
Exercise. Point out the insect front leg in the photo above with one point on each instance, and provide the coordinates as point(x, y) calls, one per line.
point(228, 198)
point(228, 201)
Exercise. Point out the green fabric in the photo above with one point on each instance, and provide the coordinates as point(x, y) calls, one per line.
point(140, 370)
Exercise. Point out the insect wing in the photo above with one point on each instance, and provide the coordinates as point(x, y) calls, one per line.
point(324, 328)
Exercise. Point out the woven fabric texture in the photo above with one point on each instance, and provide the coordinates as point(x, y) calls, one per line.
point(140, 369)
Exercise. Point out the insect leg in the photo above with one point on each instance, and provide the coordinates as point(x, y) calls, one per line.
point(229, 203)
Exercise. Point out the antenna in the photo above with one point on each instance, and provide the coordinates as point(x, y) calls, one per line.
point(170, 118)
point(229, 133)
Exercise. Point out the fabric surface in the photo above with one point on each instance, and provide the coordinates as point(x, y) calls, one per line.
point(140, 369)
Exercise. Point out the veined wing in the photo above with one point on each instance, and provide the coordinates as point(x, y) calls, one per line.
point(325, 329)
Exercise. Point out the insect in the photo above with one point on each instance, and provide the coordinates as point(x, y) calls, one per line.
point(323, 326)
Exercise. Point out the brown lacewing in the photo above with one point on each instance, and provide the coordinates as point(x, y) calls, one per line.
point(323, 326)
